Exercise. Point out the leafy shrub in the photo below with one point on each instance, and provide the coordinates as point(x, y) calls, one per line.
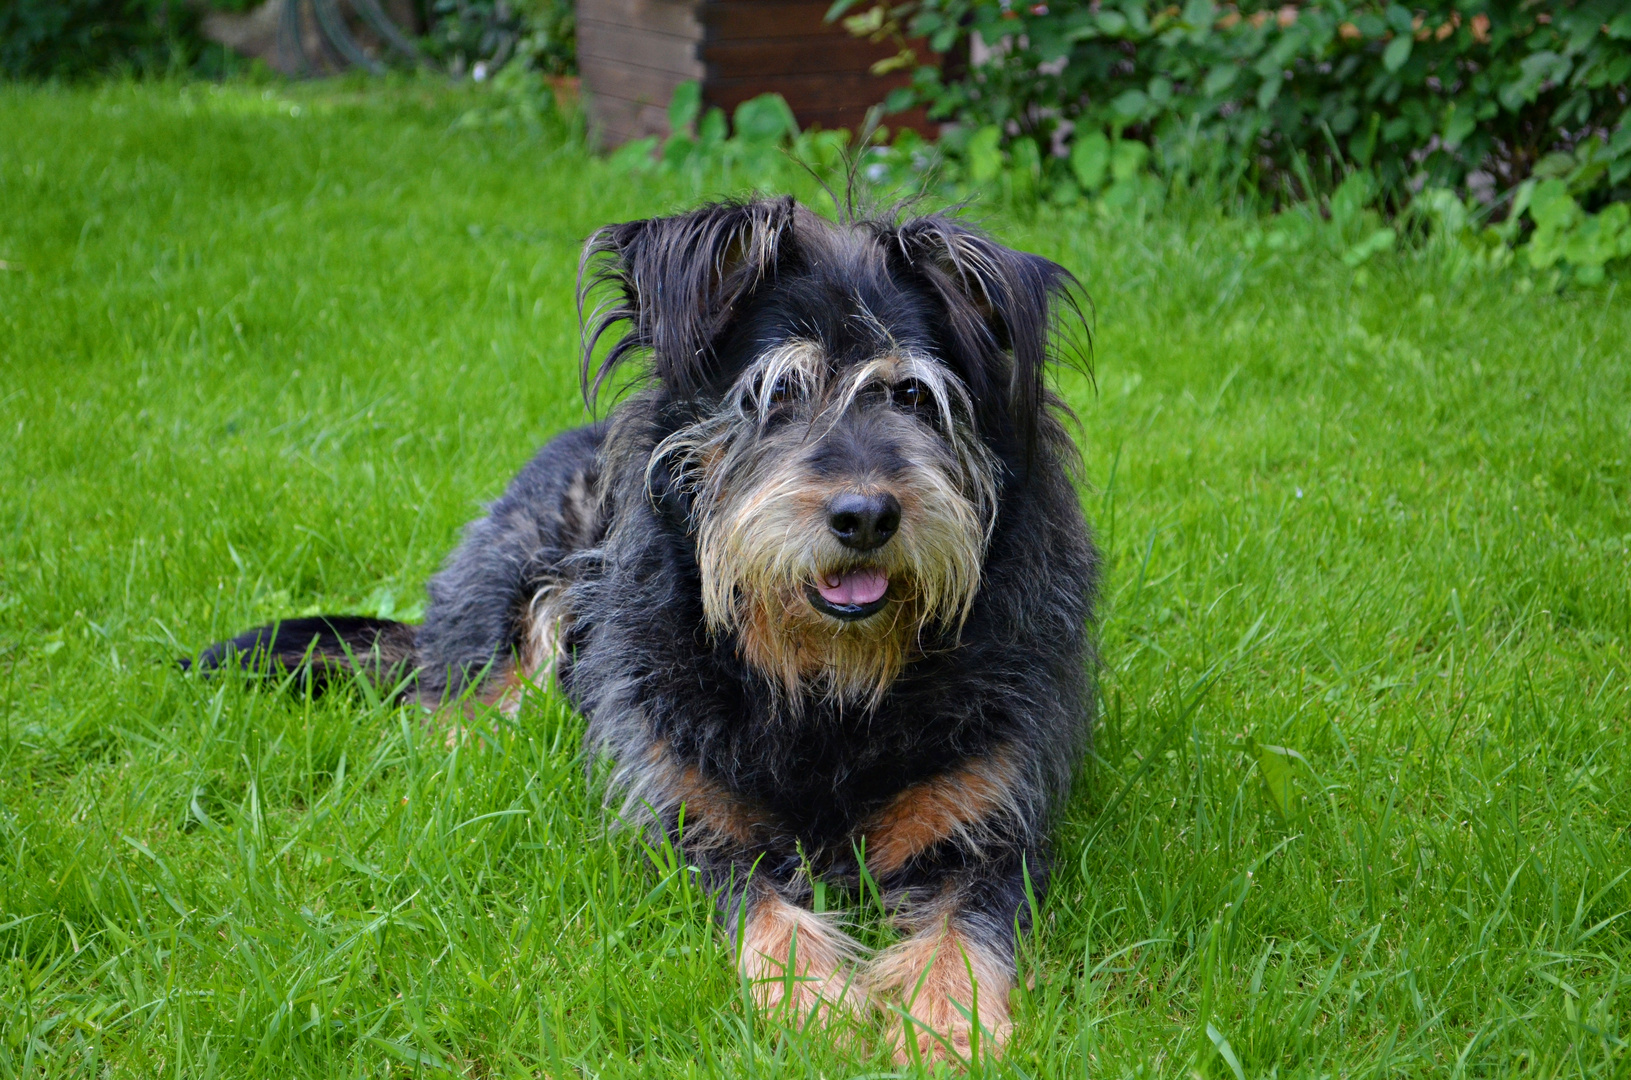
point(761, 143)
point(75, 38)
point(549, 41)
point(1492, 100)
point(484, 35)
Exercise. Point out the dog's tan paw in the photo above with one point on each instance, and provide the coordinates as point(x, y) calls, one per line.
point(953, 993)
point(798, 963)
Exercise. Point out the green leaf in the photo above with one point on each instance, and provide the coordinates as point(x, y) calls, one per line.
point(1090, 159)
point(1350, 198)
point(1269, 90)
point(1370, 26)
point(1444, 208)
point(1026, 157)
point(1594, 241)
point(1123, 194)
point(765, 119)
point(1126, 158)
point(677, 149)
point(713, 128)
point(1225, 1051)
point(1200, 14)
point(1220, 78)
point(1618, 217)
point(1377, 242)
point(684, 106)
point(634, 156)
point(1113, 23)
point(1279, 775)
point(1551, 206)
point(1397, 52)
point(1458, 124)
point(985, 154)
point(1131, 106)
point(899, 99)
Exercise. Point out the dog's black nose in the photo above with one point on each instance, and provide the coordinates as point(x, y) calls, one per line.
point(863, 522)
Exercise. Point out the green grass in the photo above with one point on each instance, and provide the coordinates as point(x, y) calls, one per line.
point(259, 360)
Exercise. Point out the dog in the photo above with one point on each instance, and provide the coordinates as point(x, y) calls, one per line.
point(820, 583)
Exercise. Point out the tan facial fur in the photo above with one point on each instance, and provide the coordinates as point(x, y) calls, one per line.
point(762, 536)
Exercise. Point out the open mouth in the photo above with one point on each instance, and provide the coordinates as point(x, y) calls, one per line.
point(851, 595)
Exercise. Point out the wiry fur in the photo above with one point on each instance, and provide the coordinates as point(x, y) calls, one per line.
point(759, 512)
point(663, 564)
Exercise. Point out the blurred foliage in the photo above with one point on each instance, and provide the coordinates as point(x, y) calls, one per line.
point(42, 39)
point(482, 36)
point(761, 144)
point(1547, 232)
point(549, 38)
point(474, 37)
point(73, 39)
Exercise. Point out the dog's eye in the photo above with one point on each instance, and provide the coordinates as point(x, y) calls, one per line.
point(912, 396)
point(781, 391)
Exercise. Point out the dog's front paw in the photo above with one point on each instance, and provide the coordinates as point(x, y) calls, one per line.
point(798, 963)
point(952, 994)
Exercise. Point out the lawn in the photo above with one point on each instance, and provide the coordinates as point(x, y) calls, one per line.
point(1359, 803)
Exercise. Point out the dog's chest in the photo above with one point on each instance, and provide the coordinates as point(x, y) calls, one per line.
point(824, 774)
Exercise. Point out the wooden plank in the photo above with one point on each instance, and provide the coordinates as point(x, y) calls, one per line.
point(629, 82)
point(677, 17)
point(616, 121)
point(654, 52)
point(776, 57)
point(852, 119)
point(724, 20)
point(624, 38)
point(826, 88)
point(828, 101)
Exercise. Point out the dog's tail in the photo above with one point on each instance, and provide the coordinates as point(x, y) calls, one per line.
point(325, 648)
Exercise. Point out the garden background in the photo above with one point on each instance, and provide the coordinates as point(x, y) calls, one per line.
point(1358, 458)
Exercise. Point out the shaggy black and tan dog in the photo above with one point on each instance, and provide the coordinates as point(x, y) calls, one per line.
point(822, 585)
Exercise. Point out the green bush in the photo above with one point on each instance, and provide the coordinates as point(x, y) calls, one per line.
point(761, 146)
point(42, 39)
point(1511, 105)
point(549, 41)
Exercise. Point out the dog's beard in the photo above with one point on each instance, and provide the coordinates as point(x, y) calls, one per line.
point(763, 544)
point(759, 518)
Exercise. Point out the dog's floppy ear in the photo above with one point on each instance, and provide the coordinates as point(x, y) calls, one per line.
point(1004, 311)
point(676, 282)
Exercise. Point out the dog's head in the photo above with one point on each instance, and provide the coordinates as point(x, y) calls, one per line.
point(850, 397)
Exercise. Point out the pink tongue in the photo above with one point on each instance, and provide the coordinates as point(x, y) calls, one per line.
point(855, 587)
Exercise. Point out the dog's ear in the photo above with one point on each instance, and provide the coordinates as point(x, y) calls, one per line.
point(677, 282)
point(1006, 312)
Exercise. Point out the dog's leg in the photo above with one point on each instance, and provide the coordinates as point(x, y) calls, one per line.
point(794, 960)
point(962, 837)
point(950, 978)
